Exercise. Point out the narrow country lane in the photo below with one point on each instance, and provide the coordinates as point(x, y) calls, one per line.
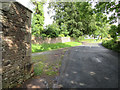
point(89, 67)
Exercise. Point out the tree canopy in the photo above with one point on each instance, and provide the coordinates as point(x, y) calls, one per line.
point(107, 7)
point(78, 19)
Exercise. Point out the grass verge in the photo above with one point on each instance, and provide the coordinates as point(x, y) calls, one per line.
point(47, 47)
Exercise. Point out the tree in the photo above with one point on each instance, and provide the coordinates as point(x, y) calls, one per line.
point(114, 32)
point(100, 27)
point(38, 18)
point(107, 7)
point(76, 17)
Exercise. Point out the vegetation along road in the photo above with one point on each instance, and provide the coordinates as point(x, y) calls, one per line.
point(85, 66)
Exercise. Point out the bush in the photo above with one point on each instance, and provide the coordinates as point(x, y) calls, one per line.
point(111, 44)
point(51, 31)
point(63, 30)
point(61, 35)
point(114, 31)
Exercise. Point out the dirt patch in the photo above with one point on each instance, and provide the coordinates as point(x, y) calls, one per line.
point(46, 69)
point(51, 65)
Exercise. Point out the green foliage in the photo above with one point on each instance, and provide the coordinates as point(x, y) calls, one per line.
point(112, 44)
point(73, 21)
point(61, 35)
point(107, 7)
point(81, 38)
point(51, 31)
point(79, 20)
point(38, 18)
point(99, 26)
point(47, 47)
point(43, 68)
point(114, 32)
point(38, 69)
point(63, 30)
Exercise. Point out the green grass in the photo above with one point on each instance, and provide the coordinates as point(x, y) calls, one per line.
point(46, 68)
point(39, 68)
point(47, 47)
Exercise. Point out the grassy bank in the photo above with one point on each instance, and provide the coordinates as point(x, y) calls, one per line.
point(47, 47)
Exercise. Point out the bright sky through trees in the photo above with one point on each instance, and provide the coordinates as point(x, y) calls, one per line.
point(49, 20)
point(47, 16)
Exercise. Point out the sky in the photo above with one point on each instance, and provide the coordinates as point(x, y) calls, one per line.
point(47, 16)
point(26, 3)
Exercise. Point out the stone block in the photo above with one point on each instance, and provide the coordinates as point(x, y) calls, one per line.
point(23, 29)
point(28, 52)
point(0, 5)
point(1, 26)
point(0, 45)
point(6, 63)
point(27, 37)
point(0, 82)
point(12, 11)
point(6, 6)
point(1, 18)
point(28, 14)
point(1, 13)
point(0, 68)
point(0, 40)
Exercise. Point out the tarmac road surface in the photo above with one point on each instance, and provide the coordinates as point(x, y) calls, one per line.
point(89, 67)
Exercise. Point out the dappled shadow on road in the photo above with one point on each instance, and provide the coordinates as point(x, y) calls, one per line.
point(71, 82)
point(89, 67)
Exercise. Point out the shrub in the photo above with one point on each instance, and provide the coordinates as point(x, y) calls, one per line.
point(63, 30)
point(114, 31)
point(51, 31)
point(112, 44)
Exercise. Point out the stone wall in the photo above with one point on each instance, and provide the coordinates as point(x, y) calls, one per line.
point(39, 40)
point(15, 22)
point(0, 60)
